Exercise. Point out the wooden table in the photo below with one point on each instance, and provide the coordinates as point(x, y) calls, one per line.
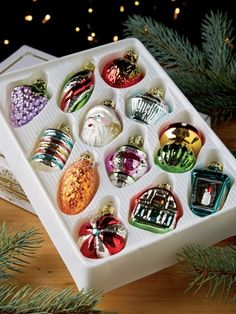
point(162, 292)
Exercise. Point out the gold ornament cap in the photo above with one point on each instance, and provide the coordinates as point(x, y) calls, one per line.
point(136, 140)
point(165, 186)
point(216, 165)
point(157, 92)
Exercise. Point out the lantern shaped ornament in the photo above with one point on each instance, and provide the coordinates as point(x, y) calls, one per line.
point(103, 235)
point(209, 189)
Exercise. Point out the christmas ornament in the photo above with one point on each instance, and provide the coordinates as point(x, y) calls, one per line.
point(180, 144)
point(148, 107)
point(101, 125)
point(102, 236)
point(209, 189)
point(78, 89)
point(128, 163)
point(53, 148)
point(78, 185)
point(27, 101)
point(156, 209)
point(123, 72)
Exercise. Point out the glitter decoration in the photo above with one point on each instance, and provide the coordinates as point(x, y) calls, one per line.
point(100, 125)
point(103, 235)
point(128, 164)
point(123, 72)
point(180, 145)
point(27, 101)
point(77, 89)
point(209, 189)
point(53, 148)
point(147, 107)
point(156, 210)
point(78, 185)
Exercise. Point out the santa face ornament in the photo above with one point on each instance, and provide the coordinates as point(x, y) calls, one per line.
point(100, 125)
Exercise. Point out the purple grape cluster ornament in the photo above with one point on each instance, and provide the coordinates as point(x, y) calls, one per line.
point(27, 101)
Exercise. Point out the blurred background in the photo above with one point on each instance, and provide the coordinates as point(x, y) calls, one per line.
point(64, 27)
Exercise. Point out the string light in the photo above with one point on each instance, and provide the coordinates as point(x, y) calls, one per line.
point(88, 22)
point(90, 38)
point(176, 13)
point(6, 42)
point(28, 18)
point(46, 18)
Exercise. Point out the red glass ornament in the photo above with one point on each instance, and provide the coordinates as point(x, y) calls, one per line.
point(102, 236)
point(122, 72)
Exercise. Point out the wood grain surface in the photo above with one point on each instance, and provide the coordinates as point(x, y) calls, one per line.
point(162, 292)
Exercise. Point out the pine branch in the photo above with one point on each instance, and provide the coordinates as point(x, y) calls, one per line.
point(214, 266)
point(15, 248)
point(29, 300)
point(170, 49)
point(207, 77)
point(223, 39)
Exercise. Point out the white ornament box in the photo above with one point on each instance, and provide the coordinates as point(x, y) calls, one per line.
point(10, 188)
point(145, 252)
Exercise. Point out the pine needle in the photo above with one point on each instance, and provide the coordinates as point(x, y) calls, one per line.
point(214, 266)
point(34, 300)
point(15, 249)
point(207, 74)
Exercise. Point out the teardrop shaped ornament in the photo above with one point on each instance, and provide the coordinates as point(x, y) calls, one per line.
point(103, 235)
point(78, 89)
point(156, 210)
point(78, 185)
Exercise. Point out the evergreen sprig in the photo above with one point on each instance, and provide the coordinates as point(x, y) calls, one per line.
point(206, 76)
point(213, 266)
point(15, 249)
point(33, 300)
